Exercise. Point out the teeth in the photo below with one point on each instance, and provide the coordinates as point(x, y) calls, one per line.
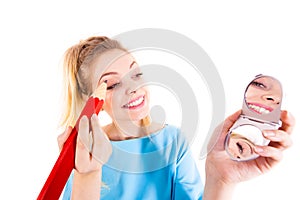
point(259, 109)
point(135, 103)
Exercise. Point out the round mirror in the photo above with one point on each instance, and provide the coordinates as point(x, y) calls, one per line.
point(241, 141)
point(263, 95)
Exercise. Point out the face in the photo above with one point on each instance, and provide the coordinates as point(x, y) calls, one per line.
point(127, 99)
point(263, 95)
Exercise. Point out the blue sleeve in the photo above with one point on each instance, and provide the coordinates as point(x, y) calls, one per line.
point(188, 184)
point(68, 188)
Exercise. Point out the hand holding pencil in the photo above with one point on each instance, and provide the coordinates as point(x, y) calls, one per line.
point(86, 153)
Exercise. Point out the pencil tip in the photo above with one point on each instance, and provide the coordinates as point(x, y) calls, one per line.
point(100, 91)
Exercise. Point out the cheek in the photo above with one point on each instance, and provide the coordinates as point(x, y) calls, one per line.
point(107, 103)
point(112, 101)
point(146, 91)
point(253, 93)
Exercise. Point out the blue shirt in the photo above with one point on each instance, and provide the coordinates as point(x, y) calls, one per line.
point(158, 166)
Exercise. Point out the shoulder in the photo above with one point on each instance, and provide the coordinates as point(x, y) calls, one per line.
point(166, 132)
point(170, 136)
point(174, 132)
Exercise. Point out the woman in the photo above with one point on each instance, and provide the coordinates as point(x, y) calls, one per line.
point(135, 158)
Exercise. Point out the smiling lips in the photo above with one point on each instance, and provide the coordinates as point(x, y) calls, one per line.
point(135, 103)
point(259, 108)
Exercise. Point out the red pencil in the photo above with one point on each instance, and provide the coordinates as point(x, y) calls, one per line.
point(65, 163)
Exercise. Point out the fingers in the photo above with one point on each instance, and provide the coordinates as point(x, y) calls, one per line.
point(82, 159)
point(93, 149)
point(281, 138)
point(278, 138)
point(97, 130)
point(288, 122)
point(101, 149)
point(83, 132)
point(61, 139)
point(269, 152)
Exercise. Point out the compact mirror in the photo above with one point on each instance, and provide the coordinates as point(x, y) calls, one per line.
point(263, 95)
point(261, 111)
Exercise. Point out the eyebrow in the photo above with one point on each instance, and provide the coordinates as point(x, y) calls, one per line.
point(132, 64)
point(107, 74)
point(114, 73)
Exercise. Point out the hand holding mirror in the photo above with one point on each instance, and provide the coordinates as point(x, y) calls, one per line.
point(261, 111)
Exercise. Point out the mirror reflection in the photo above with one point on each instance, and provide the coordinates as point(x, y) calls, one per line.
point(241, 141)
point(263, 95)
point(240, 147)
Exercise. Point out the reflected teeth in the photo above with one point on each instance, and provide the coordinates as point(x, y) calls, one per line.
point(259, 109)
point(135, 103)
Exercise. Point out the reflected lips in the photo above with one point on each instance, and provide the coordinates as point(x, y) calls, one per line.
point(260, 108)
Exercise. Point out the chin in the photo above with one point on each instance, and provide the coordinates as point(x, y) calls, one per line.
point(139, 116)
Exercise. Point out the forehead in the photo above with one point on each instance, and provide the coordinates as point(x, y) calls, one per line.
point(115, 60)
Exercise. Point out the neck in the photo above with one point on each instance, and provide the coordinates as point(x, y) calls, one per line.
point(123, 130)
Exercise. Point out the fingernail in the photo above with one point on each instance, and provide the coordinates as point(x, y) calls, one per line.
point(269, 133)
point(94, 116)
point(84, 118)
point(258, 149)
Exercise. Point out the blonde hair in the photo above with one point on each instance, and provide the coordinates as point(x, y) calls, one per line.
point(77, 71)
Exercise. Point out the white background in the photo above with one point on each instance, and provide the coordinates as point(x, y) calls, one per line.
point(242, 38)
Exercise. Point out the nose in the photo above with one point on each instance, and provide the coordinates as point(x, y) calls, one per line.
point(130, 91)
point(132, 87)
point(272, 99)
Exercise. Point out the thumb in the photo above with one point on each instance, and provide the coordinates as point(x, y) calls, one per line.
point(218, 137)
point(61, 139)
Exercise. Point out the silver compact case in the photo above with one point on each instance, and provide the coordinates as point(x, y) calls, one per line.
point(261, 111)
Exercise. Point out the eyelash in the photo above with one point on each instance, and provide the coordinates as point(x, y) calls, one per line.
point(117, 84)
point(138, 75)
point(113, 86)
point(258, 84)
point(240, 147)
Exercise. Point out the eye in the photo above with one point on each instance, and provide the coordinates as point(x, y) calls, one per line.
point(113, 86)
point(137, 75)
point(258, 84)
point(244, 149)
point(240, 147)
